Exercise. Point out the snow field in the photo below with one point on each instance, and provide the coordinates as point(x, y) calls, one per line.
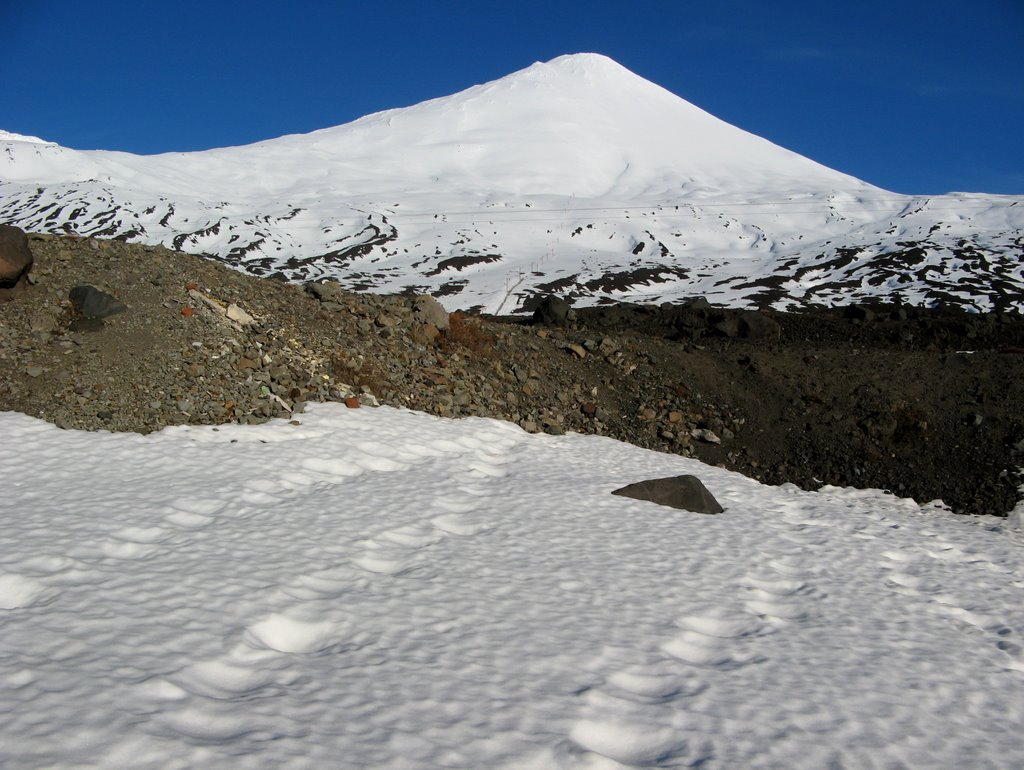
point(385, 589)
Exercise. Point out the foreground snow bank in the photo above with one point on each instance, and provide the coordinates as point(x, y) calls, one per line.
point(385, 589)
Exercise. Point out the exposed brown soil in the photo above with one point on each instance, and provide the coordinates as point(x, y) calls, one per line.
point(888, 398)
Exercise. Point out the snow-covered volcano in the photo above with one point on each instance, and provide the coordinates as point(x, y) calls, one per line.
point(575, 176)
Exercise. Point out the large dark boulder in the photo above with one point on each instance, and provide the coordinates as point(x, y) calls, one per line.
point(553, 311)
point(93, 303)
point(684, 492)
point(15, 260)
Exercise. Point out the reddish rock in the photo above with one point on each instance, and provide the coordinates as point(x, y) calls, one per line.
point(352, 402)
point(15, 261)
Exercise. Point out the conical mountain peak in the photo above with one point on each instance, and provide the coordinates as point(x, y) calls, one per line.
point(580, 124)
point(586, 65)
point(574, 175)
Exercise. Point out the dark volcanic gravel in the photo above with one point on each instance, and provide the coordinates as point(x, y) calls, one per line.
point(927, 404)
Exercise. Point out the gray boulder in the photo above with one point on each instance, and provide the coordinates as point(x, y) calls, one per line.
point(428, 310)
point(684, 492)
point(328, 291)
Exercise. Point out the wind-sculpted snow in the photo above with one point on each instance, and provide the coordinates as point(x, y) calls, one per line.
point(575, 174)
point(385, 589)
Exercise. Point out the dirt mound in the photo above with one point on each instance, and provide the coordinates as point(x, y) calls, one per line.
point(923, 403)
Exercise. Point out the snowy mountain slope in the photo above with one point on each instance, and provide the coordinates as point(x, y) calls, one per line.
point(385, 589)
point(575, 175)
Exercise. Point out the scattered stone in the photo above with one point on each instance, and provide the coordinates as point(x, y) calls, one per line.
point(424, 334)
point(705, 434)
point(353, 402)
point(577, 350)
point(687, 493)
point(239, 316)
point(43, 322)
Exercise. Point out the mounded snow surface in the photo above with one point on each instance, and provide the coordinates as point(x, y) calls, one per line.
point(385, 589)
point(573, 175)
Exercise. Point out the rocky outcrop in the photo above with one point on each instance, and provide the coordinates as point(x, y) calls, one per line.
point(427, 310)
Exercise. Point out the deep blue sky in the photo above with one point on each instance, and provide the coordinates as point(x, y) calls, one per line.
point(914, 96)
